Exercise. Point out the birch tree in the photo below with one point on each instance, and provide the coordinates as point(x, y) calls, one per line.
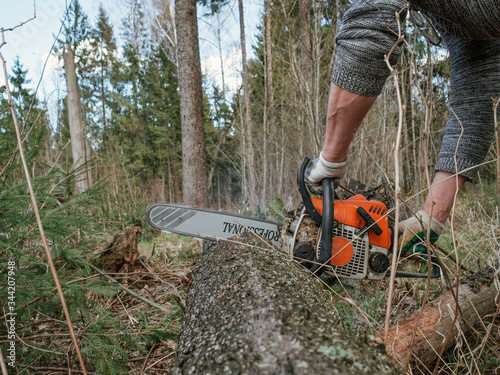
point(248, 154)
point(75, 33)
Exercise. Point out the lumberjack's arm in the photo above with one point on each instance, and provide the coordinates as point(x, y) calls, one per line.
point(346, 111)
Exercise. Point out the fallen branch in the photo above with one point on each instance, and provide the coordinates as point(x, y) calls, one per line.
point(129, 291)
point(477, 297)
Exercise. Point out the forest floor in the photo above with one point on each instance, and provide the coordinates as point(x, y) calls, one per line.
point(148, 334)
point(474, 237)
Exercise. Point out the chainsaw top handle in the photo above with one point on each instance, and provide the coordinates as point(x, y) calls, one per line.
point(326, 220)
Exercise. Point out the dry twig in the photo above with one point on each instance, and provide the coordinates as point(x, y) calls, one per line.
point(37, 213)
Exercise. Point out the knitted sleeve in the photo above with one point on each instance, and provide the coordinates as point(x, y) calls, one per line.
point(368, 33)
point(465, 19)
point(475, 80)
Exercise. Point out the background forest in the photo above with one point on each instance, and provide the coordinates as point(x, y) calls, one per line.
point(127, 124)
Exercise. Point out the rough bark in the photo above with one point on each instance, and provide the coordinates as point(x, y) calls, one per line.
point(79, 148)
point(251, 310)
point(194, 160)
point(478, 296)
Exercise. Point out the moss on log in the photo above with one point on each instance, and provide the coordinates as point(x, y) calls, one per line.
point(251, 310)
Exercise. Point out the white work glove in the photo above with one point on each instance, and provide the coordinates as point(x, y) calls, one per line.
point(414, 235)
point(320, 169)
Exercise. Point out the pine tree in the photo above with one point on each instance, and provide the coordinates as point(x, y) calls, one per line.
point(31, 117)
point(194, 165)
point(99, 63)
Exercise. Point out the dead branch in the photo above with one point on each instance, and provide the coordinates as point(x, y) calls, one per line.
point(129, 291)
point(477, 298)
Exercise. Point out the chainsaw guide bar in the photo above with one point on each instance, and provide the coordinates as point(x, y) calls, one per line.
point(215, 225)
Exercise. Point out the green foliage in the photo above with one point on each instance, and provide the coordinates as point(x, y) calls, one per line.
point(276, 209)
point(213, 5)
point(65, 217)
point(76, 27)
point(33, 127)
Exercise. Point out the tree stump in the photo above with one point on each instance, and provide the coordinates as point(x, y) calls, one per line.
point(251, 310)
point(121, 252)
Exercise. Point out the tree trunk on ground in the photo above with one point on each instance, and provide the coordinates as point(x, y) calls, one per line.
point(79, 147)
point(247, 126)
point(435, 321)
point(194, 160)
point(253, 311)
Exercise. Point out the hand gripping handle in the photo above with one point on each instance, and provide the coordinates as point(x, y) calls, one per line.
point(326, 220)
point(306, 198)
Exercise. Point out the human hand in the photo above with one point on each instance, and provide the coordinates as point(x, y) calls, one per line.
point(413, 233)
point(320, 169)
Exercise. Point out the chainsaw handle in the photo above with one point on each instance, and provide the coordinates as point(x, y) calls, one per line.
point(306, 198)
point(325, 253)
point(326, 220)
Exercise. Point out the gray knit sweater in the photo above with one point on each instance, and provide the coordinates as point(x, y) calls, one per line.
point(471, 32)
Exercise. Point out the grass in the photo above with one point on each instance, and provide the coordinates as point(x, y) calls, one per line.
point(475, 236)
point(476, 232)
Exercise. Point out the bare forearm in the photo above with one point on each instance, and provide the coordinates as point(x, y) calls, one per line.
point(346, 111)
point(444, 188)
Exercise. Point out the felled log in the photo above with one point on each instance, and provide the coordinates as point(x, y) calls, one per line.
point(251, 310)
point(121, 252)
point(422, 334)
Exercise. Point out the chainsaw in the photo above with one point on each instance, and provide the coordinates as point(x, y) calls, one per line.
point(346, 238)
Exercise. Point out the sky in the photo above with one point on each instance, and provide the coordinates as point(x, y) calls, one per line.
point(32, 41)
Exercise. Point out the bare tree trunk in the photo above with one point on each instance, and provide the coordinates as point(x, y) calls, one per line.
point(307, 74)
point(305, 42)
point(219, 45)
point(79, 147)
point(497, 141)
point(408, 148)
point(248, 152)
point(270, 122)
point(194, 160)
point(244, 317)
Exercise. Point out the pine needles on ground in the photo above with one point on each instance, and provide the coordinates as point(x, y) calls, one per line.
point(109, 338)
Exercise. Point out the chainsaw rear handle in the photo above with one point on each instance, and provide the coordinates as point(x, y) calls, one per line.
point(326, 220)
point(435, 273)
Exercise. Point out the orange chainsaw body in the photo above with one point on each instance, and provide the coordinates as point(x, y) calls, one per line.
point(345, 213)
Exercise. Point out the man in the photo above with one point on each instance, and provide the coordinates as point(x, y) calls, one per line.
point(471, 32)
